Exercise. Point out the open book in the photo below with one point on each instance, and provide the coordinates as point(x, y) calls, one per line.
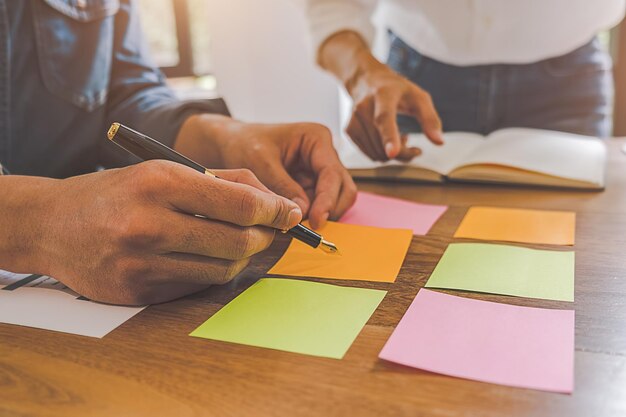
point(509, 156)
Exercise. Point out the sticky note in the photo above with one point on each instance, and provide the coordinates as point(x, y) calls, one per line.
point(518, 225)
point(484, 341)
point(294, 316)
point(508, 270)
point(379, 211)
point(366, 254)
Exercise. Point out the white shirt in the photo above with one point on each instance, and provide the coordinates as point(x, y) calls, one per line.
point(470, 32)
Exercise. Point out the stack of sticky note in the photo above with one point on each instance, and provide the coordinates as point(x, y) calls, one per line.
point(365, 254)
point(519, 225)
point(472, 339)
point(508, 270)
point(392, 213)
point(493, 342)
point(294, 316)
point(322, 319)
point(490, 342)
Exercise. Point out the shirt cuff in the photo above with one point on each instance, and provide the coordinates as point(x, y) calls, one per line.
point(182, 110)
point(162, 123)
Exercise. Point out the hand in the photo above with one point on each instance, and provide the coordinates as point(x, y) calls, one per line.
point(297, 161)
point(379, 94)
point(130, 236)
point(378, 98)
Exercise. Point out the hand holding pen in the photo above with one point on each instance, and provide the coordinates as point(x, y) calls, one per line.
point(147, 148)
point(134, 236)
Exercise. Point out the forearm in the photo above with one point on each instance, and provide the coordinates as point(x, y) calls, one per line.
point(23, 223)
point(347, 56)
point(201, 138)
point(379, 95)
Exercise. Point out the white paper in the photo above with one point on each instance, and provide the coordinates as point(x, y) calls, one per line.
point(547, 152)
point(45, 303)
point(559, 154)
point(440, 159)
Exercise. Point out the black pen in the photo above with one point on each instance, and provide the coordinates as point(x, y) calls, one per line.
point(146, 148)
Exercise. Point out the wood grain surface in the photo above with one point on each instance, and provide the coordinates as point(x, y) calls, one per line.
point(151, 367)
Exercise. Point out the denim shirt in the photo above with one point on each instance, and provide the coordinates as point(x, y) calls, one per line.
point(69, 68)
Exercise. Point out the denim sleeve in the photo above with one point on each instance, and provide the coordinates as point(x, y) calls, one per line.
point(138, 95)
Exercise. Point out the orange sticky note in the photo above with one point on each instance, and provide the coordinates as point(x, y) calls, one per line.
point(366, 254)
point(519, 225)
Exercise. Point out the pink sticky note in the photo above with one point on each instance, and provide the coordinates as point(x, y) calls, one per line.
point(490, 342)
point(392, 213)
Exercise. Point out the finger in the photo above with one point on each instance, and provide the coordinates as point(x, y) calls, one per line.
point(419, 104)
point(333, 185)
point(241, 176)
point(171, 276)
point(200, 236)
point(305, 178)
point(307, 181)
point(183, 274)
point(347, 197)
point(201, 270)
point(360, 137)
point(280, 181)
point(326, 195)
point(219, 199)
point(385, 120)
point(365, 116)
point(407, 153)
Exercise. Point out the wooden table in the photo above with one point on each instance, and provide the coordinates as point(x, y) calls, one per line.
point(150, 367)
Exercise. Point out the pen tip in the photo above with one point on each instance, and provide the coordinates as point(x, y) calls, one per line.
point(329, 247)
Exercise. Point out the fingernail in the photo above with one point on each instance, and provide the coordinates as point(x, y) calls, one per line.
point(389, 149)
point(439, 136)
point(295, 215)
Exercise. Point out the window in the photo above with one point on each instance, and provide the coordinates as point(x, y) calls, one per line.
point(178, 35)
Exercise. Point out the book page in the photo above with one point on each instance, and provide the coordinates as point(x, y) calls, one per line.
point(551, 153)
point(440, 159)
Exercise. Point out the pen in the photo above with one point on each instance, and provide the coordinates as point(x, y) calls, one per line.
point(147, 148)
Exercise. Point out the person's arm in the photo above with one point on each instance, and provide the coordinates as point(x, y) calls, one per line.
point(23, 215)
point(131, 235)
point(297, 161)
point(378, 92)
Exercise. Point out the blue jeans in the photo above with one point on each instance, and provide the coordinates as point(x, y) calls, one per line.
point(570, 93)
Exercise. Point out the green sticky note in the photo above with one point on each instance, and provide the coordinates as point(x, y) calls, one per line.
point(294, 316)
point(508, 270)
